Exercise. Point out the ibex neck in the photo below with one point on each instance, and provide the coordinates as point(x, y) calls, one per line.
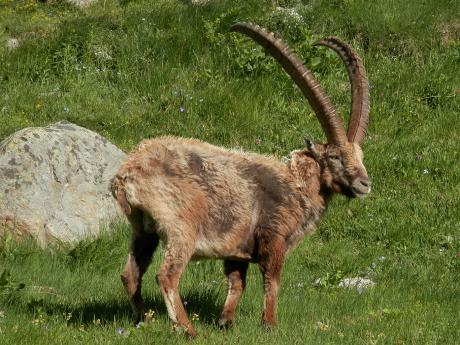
point(308, 175)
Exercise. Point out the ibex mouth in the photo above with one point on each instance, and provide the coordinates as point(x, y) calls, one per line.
point(361, 188)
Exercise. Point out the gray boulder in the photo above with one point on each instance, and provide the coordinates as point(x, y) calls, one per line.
point(54, 183)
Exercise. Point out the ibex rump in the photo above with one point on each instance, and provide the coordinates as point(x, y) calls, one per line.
point(205, 201)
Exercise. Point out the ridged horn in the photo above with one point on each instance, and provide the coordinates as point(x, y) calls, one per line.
point(360, 99)
point(330, 122)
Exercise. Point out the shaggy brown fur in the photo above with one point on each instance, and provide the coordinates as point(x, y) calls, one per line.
point(205, 201)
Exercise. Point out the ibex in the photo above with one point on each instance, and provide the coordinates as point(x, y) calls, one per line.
point(205, 201)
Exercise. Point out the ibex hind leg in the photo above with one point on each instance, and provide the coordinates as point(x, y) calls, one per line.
point(177, 255)
point(236, 280)
point(143, 244)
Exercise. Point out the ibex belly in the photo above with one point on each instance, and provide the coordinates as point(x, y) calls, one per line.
point(227, 241)
point(220, 249)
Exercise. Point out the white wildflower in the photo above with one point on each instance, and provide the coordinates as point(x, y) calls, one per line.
point(291, 12)
point(357, 282)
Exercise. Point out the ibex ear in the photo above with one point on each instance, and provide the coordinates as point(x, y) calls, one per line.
point(311, 148)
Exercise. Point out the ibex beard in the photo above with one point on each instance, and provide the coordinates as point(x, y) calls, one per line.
point(205, 201)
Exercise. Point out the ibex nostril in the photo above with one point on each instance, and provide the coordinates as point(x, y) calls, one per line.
point(365, 183)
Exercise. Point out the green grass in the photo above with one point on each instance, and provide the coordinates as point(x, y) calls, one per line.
point(125, 68)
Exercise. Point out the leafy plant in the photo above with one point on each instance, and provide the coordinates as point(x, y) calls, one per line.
point(248, 58)
point(330, 279)
point(8, 286)
point(8, 249)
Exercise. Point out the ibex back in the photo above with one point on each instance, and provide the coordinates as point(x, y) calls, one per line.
point(205, 201)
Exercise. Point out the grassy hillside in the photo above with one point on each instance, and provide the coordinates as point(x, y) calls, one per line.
point(136, 69)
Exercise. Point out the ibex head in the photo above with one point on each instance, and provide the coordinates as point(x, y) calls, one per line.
point(342, 169)
point(341, 159)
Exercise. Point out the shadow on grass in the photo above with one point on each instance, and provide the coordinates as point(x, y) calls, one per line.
point(206, 305)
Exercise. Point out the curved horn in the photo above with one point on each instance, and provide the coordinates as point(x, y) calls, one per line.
point(360, 100)
point(330, 122)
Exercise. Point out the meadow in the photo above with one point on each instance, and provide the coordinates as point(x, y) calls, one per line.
point(136, 69)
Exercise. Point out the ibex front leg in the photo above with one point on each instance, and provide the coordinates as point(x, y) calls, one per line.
point(271, 263)
point(236, 279)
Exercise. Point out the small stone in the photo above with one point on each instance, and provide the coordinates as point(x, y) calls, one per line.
point(199, 2)
point(12, 43)
point(357, 282)
point(81, 3)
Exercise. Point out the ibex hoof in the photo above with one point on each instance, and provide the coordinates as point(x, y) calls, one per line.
point(269, 324)
point(188, 330)
point(225, 321)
